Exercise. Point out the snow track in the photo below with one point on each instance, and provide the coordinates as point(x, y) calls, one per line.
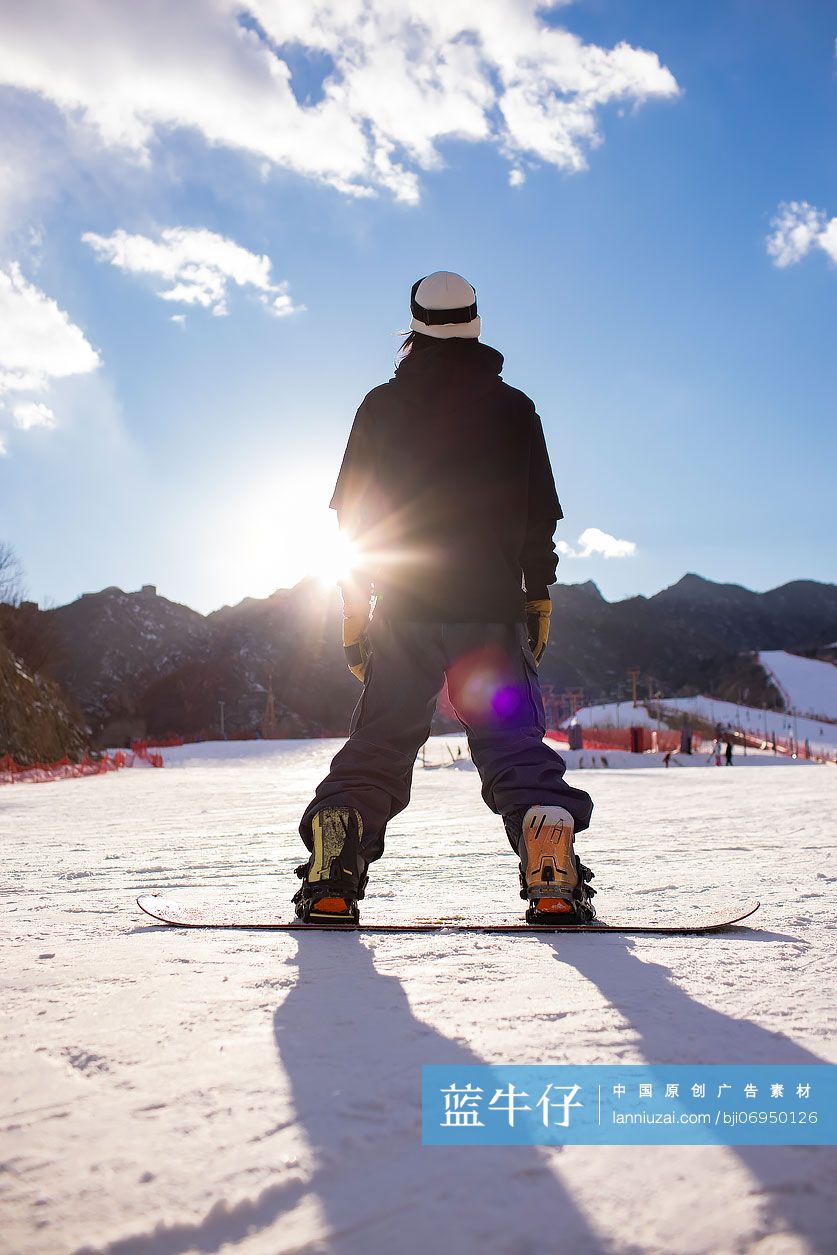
point(166, 1091)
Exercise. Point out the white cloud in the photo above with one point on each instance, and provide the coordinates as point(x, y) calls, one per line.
point(402, 76)
point(38, 344)
point(797, 228)
point(594, 542)
point(197, 265)
point(29, 414)
point(280, 304)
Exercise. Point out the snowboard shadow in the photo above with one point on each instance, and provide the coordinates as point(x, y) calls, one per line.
point(752, 932)
point(353, 1052)
point(671, 1026)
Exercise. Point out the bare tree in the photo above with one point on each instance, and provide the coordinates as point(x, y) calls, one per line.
point(11, 576)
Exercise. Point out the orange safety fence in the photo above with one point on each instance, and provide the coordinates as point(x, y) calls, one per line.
point(645, 739)
point(789, 747)
point(668, 741)
point(41, 773)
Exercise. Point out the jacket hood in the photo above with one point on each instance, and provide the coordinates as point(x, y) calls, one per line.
point(450, 365)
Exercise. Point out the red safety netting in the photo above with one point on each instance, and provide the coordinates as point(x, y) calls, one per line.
point(98, 765)
point(667, 741)
point(789, 747)
point(644, 739)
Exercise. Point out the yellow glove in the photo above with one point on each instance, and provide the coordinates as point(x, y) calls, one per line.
point(538, 614)
point(355, 640)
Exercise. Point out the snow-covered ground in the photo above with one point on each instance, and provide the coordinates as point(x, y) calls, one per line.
point(613, 715)
point(167, 1092)
point(808, 685)
point(752, 719)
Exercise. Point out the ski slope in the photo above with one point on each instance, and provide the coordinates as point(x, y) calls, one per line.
point(808, 685)
point(821, 736)
point(168, 1092)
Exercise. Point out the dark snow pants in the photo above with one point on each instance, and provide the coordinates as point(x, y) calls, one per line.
point(493, 687)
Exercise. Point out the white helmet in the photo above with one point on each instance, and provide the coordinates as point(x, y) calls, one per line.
point(444, 305)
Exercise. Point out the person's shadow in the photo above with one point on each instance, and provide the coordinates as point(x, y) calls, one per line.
point(353, 1052)
point(796, 1184)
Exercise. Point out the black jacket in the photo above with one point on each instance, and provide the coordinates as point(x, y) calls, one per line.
point(447, 488)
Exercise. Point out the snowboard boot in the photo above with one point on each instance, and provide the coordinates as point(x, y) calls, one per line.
point(334, 877)
point(553, 879)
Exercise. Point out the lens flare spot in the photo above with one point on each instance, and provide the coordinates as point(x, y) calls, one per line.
point(507, 702)
point(485, 689)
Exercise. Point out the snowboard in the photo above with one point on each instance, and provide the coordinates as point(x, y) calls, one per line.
point(255, 915)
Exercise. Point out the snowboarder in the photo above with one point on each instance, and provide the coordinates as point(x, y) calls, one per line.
point(447, 491)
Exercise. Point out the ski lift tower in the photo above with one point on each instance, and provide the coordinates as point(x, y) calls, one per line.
point(634, 673)
point(269, 727)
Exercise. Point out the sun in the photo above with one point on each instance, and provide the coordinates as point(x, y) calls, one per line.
point(313, 544)
point(332, 560)
point(275, 535)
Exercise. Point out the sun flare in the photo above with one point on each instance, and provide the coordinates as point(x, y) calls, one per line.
point(333, 561)
point(276, 535)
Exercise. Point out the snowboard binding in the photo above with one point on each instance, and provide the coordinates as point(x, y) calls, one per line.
point(553, 878)
point(335, 877)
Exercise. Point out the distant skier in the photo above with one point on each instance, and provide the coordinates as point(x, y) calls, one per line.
point(728, 754)
point(447, 490)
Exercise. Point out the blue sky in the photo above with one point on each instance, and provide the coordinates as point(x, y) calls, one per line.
point(648, 216)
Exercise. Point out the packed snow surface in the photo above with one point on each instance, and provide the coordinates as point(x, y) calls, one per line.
point(808, 685)
point(170, 1091)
